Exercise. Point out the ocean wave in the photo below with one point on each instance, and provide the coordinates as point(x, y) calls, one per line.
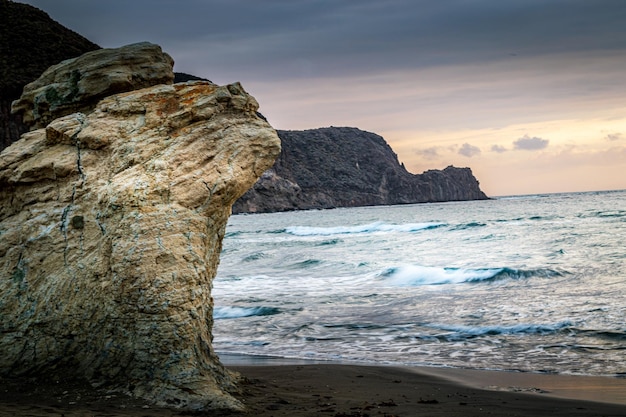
point(231, 312)
point(469, 225)
point(309, 263)
point(458, 332)
point(254, 257)
point(360, 229)
point(543, 217)
point(610, 335)
point(609, 214)
point(329, 242)
point(416, 275)
point(232, 234)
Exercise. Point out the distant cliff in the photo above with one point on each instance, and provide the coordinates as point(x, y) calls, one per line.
point(348, 167)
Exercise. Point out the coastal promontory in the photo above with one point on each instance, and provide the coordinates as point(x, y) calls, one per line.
point(348, 167)
point(112, 214)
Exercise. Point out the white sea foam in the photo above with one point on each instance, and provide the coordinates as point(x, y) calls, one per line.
point(231, 312)
point(359, 229)
point(415, 275)
point(412, 275)
point(531, 284)
point(462, 331)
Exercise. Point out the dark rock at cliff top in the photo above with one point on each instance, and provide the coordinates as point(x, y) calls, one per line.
point(181, 77)
point(30, 42)
point(347, 167)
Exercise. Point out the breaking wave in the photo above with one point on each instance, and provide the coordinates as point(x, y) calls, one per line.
point(458, 332)
point(416, 275)
point(230, 312)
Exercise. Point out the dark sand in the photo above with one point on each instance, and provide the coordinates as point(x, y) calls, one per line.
point(349, 390)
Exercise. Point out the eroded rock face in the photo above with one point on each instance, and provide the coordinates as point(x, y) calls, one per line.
point(77, 84)
point(110, 232)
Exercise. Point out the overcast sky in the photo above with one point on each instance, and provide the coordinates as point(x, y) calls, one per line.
point(531, 94)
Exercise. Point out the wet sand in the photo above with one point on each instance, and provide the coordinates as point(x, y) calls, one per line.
point(348, 390)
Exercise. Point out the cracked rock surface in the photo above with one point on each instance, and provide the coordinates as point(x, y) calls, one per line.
point(111, 225)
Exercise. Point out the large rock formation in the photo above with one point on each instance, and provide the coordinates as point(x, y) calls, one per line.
point(111, 222)
point(347, 167)
point(30, 42)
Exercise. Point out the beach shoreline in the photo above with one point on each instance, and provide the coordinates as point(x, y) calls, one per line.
point(578, 387)
point(338, 390)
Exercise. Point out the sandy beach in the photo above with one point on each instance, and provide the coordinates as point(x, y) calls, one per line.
point(349, 390)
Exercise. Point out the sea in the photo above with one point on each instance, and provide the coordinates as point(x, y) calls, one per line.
point(532, 283)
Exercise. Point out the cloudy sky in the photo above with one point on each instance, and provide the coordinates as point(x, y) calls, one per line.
point(531, 94)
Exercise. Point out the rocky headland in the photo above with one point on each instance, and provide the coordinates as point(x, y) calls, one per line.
point(112, 213)
point(347, 167)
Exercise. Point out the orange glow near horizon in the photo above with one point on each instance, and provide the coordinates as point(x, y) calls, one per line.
point(501, 120)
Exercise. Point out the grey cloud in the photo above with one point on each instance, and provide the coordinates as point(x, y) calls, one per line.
point(614, 136)
point(530, 144)
point(429, 153)
point(469, 150)
point(346, 37)
point(498, 148)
